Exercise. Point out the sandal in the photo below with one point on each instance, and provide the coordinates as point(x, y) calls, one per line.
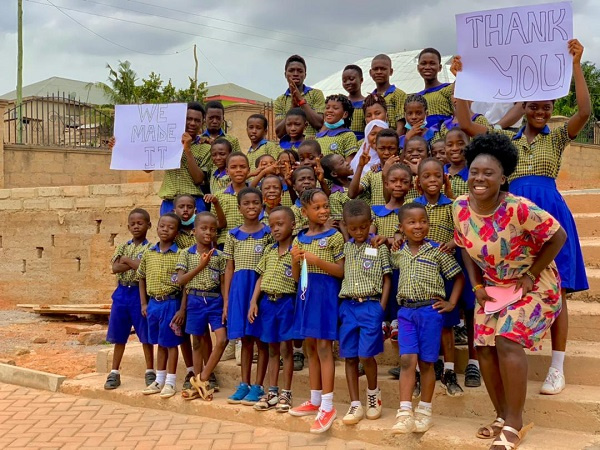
point(190, 394)
point(493, 429)
point(202, 387)
point(505, 443)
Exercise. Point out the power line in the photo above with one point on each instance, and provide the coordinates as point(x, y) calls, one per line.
point(178, 31)
point(105, 38)
point(217, 28)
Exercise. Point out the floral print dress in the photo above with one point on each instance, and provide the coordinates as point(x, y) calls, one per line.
point(504, 245)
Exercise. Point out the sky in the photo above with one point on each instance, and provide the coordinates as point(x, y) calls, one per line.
point(239, 41)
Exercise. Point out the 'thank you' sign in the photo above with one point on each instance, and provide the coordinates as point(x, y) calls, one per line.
point(515, 54)
point(148, 137)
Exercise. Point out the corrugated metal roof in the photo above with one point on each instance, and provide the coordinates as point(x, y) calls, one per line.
point(82, 91)
point(405, 74)
point(233, 90)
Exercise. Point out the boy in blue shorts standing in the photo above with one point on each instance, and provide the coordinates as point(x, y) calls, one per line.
point(161, 299)
point(422, 270)
point(126, 310)
point(364, 296)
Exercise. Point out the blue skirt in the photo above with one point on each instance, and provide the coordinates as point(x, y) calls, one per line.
point(240, 294)
point(316, 314)
point(543, 192)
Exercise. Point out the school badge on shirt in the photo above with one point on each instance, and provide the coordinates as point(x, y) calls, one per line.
point(139, 256)
point(288, 271)
point(367, 264)
point(322, 242)
point(174, 278)
point(258, 248)
point(333, 146)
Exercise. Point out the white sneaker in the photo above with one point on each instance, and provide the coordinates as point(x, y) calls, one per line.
point(168, 391)
point(238, 352)
point(229, 352)
point(354, 415)
point(554, 383)
point(405, 422)
point(423, 419)
point(374, 406)
point(153, 388)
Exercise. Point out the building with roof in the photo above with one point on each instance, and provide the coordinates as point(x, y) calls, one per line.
point(231, 93)
point(81, 91)
point(405, 74)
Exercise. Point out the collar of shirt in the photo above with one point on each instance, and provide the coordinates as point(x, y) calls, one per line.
point(443, 200)
point(156, 248)
point(305, 90)
point(303, 238)
point(206, 133)
point(433, 89)
point(463, 173)
point(276, 245)
point(367, 241)
point(519, 135)
point(427, 245)
point(260, 144)
point(196, 139)
point(298, 203)
point(194, 249)
point(220, 173)
point(358, 104)
point(383, 211)
point(129, 242)
point(229, 189)
point(333, 133)
point(337, 188)
point(261, 216)
point(242, 235)
point(450, 123)
point(427, 136)
point(389, 91)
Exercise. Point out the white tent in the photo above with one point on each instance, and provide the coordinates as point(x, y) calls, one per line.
point(405, 74)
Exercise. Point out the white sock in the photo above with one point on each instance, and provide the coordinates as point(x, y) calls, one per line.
point(150, 371)
point(448, 366)
point(355, 403)
point(161, 376)
point(298, 350)
point(327, 402)
point(558, 360)
point(171, 377)
point(418, 369)
point(114, 371)
point(372, 392)
point(315, 397)
point(442, 358)
point(406, 406)
point(475, 362)
point(461, 323)
point(425, 405)
point(190, 369)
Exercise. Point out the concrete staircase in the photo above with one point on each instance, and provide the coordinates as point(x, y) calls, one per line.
point(570, 420)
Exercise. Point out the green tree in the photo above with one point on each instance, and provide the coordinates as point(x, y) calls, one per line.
point(566, 106)
point(150, 91)
point(121, 88)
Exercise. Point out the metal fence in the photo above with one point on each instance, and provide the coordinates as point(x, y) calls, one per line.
point(590, 133)
point(57, 120)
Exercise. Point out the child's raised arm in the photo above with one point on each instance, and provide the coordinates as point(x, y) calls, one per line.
point(192, 165)
point(221, 217)
point(582, 93)
point(462, 107)
point(355, 189)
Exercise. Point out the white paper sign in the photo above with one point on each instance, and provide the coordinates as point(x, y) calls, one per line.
point(148, 137)
point(515, 54)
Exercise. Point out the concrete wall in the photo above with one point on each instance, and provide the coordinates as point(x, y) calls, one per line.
point(56, 242)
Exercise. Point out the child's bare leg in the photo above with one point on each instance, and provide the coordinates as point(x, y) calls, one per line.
point(263, 360)
point(215, 355)
point(148, 355)
point(352, 378)
point(448, 344)
point(408, 365)
point(287, 352)
point(186, 350)
point(314, 365)
point(207, 345)
point(325, 353)
point(173, 354)
point(118, 356)
point(427, 381)
point(370, 366)
point(274, 352)
point(247, 354)
point(469, 319)
point(161, 358)
point(197, 354)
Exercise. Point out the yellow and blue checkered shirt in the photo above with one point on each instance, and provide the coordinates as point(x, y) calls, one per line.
point(458, 181)
point(130, 250)
point(394, 99)
point(158, 268)
point(340, 141)
point(185, 239)
point(246, 249)
point(337, 200)
point(264, 148)
point(448, 125)
point(314, 98)
point(219, 180)
point(439, 102)
point(209, 278)
point(421, 276)
point(441, 223)
point(276, 271)
point(385, 220)
point(207, 164)
point(358, 120)
point(372, 184)
point(301, 220)
point(328, 246)
point(228, 201)
point(179, 181)
point(543, 156)
point(286, 144)
point(363, 273)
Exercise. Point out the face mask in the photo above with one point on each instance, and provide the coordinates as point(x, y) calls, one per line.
point(408, 126)
point(272, 203)
point(189, 221)
point(333, 126)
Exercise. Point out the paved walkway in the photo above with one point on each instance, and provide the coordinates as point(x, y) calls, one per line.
point(39, 419)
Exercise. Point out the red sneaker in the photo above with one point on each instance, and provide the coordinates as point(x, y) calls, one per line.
point(394, 331)
point(323, 421)
point(305, 409)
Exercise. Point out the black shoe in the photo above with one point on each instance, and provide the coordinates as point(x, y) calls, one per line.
point(150, 378)
point(298, 361)
point(213, 383)
point(186, 383)
point(472, 376)
point(450, 383)
point(438, 367)
point(460, 335)
point(113, 381)
point(395, 372)
point(361, 370)
point(417, 390)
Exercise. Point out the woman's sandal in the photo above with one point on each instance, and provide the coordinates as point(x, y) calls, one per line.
point(190, 394)
point(203, 388)
point(492, 430)
point(505, 443)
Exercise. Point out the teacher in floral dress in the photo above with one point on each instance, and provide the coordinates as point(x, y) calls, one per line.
point(506, 240)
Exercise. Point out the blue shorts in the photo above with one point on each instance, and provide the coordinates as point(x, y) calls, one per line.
point(420, 332)
point(201, 312)
point(316, 315)
point(240, 294)
point(360, 328)
point(168, 205)
point(125, 312)
point(452, 318)
point(277, 318)
point(159, 317)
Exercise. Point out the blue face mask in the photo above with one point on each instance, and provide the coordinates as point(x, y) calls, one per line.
point(333, 126)
point(189, 221)
point(408, 126)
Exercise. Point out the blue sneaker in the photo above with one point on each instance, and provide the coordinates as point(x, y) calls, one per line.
point(239, 394)
point(254, 395)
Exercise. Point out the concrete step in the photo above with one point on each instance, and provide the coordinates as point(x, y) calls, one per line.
point(447, 432)
point(588, 224)
point(590, 248)
point(583, 201)
point(593, 276)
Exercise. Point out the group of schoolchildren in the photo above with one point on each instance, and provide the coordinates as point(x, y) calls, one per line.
point(342, 231)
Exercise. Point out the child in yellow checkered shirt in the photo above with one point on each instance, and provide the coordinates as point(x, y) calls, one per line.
point(295, 124)
point(335, 136)
point(381, 71)
point(256, 127)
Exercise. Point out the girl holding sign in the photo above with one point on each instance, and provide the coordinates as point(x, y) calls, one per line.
point(540, 155)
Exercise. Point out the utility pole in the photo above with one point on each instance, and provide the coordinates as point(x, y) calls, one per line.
point(195, 75)
point(20, 72)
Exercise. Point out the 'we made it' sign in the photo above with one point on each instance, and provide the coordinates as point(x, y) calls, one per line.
point(515, 54)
